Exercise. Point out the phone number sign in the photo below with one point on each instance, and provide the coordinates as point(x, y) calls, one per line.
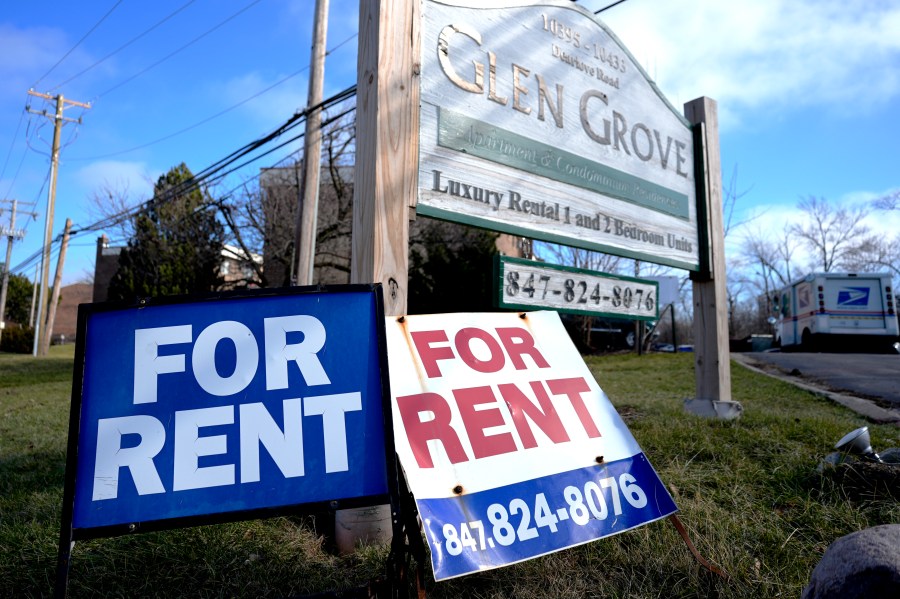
point(526, 284)
point(510, 447)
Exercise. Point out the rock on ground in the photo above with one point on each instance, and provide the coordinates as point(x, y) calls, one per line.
point(863, 564)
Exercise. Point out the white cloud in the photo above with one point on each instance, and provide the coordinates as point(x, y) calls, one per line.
point(30, 56)
point(273, 106)
point(19, 50)
point(867, 197)
point(772, 218)
point(27, 53)
point(769, 222)
point(135, 178)
point(767, 54)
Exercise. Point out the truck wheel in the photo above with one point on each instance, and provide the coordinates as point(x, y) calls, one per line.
point(806, 341)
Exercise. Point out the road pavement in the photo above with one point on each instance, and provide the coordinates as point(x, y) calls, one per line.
point(875, 377)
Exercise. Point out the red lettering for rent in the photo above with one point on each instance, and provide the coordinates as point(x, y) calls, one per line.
point(428, 417)
point(516, 342)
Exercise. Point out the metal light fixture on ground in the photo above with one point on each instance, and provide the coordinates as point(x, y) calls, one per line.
point(858, 442)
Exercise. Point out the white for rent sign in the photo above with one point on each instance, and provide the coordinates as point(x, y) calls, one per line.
point(510, 447)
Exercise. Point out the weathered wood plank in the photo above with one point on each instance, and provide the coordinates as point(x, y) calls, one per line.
point(387, 149)
point(712, 364)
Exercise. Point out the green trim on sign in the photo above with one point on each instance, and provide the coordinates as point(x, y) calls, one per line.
point(477, 138)
point(491, 225)
point(704, 262)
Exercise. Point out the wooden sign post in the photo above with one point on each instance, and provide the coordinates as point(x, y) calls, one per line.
point(387, 134)
point(644, 212)
point(388, 122)
point(712, 366)
point(387, 126)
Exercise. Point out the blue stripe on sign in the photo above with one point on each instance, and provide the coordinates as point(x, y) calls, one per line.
point(509, 524)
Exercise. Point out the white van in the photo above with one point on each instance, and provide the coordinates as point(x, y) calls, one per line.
point(837, 311)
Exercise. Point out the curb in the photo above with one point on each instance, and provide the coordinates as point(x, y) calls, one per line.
point(861, 406)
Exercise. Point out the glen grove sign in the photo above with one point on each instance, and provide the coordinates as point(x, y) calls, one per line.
point(536, 121)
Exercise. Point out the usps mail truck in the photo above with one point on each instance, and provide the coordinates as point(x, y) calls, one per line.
point(837, 311)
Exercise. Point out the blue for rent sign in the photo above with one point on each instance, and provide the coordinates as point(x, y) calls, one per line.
point(246, 403)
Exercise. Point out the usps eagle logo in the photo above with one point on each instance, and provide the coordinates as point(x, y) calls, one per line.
point(853, 296)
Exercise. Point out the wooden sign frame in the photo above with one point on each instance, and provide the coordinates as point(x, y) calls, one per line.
point(387, 179)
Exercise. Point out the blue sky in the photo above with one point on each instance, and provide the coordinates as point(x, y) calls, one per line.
point(808, 93)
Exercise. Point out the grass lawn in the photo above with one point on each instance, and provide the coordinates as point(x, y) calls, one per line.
point(748, 492)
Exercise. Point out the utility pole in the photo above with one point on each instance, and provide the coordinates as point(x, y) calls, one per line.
point(638, 324)
point(57, 287)
point(58, 120)
point(11, 235)
point(34, 289)
point(385, 187)
point(308, 214)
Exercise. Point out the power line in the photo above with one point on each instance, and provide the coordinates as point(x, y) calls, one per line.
point(72, 49)
point(11, 146)
point(126, 44)
point(22, 161)
point(34, 133)
point(206, 176)
point(291, 123)
point(597, 12)
point(213, 117)
point(171, 54)
point(209, 175)
point(40, 192)
point(195, 125)
point(278, 147)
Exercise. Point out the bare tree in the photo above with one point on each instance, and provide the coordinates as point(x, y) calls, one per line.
point(764, 264)
point(112, 204)
point(333, 245)
point(890, 201)
point(579, 258)
point(261, 216)
point(770, 260)
point(876, 254)
point(730, 198)
point(448, 271)
point(883, 253)
point(246, 230)
point(832, 235)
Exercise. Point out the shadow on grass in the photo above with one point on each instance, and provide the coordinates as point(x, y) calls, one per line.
point(24, 474)
point(17, 371)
